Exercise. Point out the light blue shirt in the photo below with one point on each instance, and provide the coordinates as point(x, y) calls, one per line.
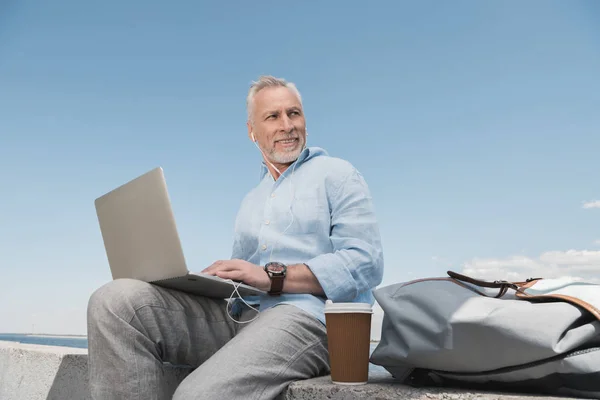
point(320, 213)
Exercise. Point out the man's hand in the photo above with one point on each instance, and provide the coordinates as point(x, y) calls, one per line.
point(241, 271)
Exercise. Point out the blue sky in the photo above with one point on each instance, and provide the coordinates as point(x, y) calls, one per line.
point(476, 125)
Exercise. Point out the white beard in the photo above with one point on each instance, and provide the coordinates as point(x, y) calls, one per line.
point(286, 157)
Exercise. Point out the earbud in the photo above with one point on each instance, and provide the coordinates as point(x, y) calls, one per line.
point(253, 138)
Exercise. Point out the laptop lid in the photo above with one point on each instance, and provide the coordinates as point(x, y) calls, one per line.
point(138, 229)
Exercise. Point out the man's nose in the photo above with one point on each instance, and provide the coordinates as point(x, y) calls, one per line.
point(286, 124)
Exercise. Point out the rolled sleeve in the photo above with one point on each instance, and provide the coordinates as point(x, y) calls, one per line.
point(356, 263)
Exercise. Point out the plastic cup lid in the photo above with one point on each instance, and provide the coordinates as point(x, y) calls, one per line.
point(331, 307)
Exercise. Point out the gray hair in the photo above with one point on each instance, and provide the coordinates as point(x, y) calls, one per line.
point(267, 81)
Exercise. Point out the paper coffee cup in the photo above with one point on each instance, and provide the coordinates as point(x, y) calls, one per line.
point(349, 337)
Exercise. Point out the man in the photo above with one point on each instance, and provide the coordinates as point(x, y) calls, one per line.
point(305, 234)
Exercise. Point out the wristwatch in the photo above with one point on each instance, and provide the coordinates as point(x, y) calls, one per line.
point(276, 272)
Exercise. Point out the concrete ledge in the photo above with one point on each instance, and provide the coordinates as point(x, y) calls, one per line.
point(37, 372)
point(382, 386)
point(42, 372)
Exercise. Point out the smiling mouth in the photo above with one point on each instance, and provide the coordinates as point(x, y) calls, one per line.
point(287, 141)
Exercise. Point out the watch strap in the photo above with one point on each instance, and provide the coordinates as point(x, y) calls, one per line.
point(276, 285)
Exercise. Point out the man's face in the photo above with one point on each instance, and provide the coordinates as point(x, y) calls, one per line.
point(278, 124)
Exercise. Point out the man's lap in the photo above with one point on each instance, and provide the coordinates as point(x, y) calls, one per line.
point(282, 345)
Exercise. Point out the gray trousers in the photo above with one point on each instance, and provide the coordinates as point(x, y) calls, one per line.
point(134, 328)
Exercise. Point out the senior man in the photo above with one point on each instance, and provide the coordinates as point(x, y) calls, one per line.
point(306, 233)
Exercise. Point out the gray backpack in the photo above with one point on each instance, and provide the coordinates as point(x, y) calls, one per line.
point(539, 336)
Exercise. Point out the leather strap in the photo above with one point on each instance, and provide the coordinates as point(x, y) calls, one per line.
point(520, 293)
point(276, 285)
point(502, 285)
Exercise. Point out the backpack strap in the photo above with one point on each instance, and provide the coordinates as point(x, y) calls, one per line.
point(502, 285)
point(560, 297)
point(519, 288)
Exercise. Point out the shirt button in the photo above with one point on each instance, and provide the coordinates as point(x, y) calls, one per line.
point(267, 222)
point(272, 194)
point(264, 247)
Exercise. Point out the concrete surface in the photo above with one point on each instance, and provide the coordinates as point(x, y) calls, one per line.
point(35, 372)
point(381, 386)
point(42, 372)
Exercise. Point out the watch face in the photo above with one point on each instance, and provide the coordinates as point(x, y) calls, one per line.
point(276, 268)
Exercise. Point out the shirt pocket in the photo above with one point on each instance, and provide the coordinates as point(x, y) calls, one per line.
point(309, 214)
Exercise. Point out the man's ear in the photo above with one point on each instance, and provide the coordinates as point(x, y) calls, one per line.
point(250, 132)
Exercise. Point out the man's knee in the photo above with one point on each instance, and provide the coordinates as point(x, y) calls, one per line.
point(118, 297)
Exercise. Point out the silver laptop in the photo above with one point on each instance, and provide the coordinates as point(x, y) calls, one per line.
point(141, 240)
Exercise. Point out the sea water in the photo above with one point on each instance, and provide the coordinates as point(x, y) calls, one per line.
point(48, 340)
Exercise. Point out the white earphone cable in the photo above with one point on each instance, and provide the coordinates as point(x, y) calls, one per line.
point(236, 285)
